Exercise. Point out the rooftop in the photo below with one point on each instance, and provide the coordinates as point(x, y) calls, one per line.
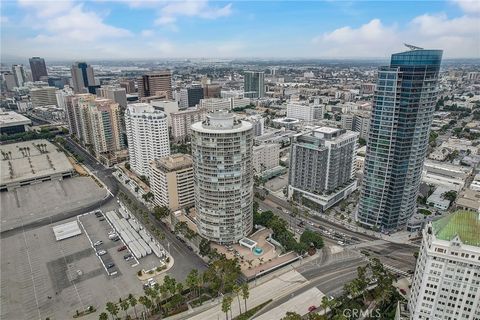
point(174, 162)
point(11, 118)
point(31, 160)
point(464, 224)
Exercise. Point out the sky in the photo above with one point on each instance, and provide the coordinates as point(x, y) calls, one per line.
point(148, 29)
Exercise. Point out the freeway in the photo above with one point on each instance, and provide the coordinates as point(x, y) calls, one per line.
point(185, 259)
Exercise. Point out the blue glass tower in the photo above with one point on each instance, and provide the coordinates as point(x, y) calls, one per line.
point(402, 113)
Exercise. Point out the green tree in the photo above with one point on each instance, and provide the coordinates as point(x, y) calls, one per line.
point(292, 316)
point(309, 237)
point(103, 316)
point(161, 212)
point(236, 290)
point(204, 247)
point(450, 195)
point(245, 294)
point(125, 305)
point(133, 302)
point(112, 308)
point(192, 281)
point(144, 301)
point(226, 305)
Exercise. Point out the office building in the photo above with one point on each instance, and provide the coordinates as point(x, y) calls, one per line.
point(155, 83)
point(212, 90)
point(265, 156)
point(182, 122)
point(128, 85)
point(347, 121)
point(43, 96)
point(19, 74)
point(222, 162)
point(254, 84)
point(171, 181)
point(38, 67)
point(147, 136)
point(403, 106)
point(361, 124)
point(190, 97)
point(12, 122)
point(83, 78)
point(322, 167)
point(9, 81)
point(446, 281)
point(258, 123)
point(117, 94)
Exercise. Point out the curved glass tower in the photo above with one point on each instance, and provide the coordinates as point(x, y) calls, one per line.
point(402, 113)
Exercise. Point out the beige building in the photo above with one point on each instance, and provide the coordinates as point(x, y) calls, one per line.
point(155, 83)
point(182, 121)
point(44, 96)
point(171, 181)
point(265, 157)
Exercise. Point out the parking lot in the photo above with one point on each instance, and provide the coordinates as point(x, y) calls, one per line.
point(42, 277)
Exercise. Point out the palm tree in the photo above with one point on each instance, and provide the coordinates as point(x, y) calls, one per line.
point(192, 280)
point(245, 294)
point(133, 302)
point(144, 301)
point(112, 309)
point(236, 289)
point(125, 305)
point(226, 305)
point(103, 316)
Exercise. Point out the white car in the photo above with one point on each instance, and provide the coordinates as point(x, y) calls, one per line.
point(101, 252)
point(97, 243)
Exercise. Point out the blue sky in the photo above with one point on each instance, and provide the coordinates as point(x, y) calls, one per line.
point(105, 29)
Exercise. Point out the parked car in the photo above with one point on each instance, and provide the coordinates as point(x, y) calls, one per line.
point(110, 265)
point(101, 252)
point(129, 255)
point(121, 248)
point(115, 238)
point(98, 214)
point(97, 243)
point(101, 219)
point(112, 236)
point(129, 258)
point(311, 308)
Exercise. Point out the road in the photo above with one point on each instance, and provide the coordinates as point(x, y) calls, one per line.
point(185, 259)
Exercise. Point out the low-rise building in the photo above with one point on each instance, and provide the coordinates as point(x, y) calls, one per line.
point(171, 181)
point(12, 122)
point(437, 200)
point(445, 174)
point(468, 200)
point(43, 96)
point(265, 156)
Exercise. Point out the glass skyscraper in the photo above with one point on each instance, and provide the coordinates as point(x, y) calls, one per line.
point(254, 84)
point(402, 113)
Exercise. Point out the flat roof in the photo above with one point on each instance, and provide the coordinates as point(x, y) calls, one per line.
point(11, 118)
point(24, 161)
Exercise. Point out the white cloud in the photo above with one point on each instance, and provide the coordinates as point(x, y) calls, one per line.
point(191, 8)
point(147, 33)
point(468, 6)
point(458, 37)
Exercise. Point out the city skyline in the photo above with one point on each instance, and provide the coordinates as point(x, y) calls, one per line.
point(195, 29)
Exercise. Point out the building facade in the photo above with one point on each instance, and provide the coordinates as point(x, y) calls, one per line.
point(254, 84)
point(171, 180)
point(155, 83)
point(258, 123)
point(43, 96)
point(83, 78)
point(117, 94)
point(403, 106)
point(182, 122)
point(446, 281)
point(305, 112)
point(190, 97)
point(147, 136)
point(38, 67)
point(222, 163)
point(265, 156)
point(322, 167)
point(19, 73)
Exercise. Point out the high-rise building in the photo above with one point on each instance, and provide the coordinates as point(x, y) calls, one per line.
point(182, 122)
point(322, 167)
point(222, 163)
point(38, 67)
point(43, 96)
point(361, 124)
point(212, 90)
point(117, 94)
point(147, 136)
point(446, 281)
point(403, 106)
point(128, 85)
point(167, 106)
point(171, 180)
point(190, 97)
point(83, 78)
point(254, 84)
point(20, 75)
point(62, 97)
point(155, 83)
point(74, 115)
point(8, 80)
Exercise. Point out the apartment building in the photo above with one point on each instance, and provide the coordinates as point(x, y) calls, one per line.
point(182, 122)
